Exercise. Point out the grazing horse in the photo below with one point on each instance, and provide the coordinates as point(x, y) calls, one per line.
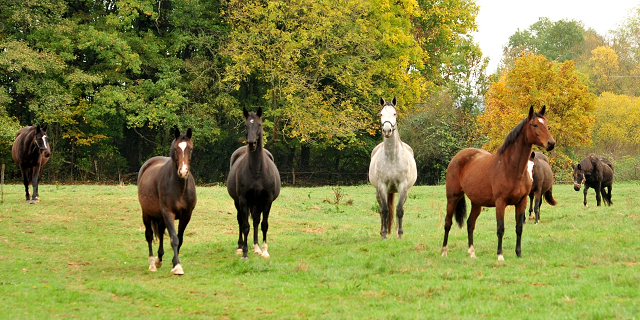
point(167, 192)
point(392, 169)
point(596, 173)
point(495, 179)
point(30, 151)
point(253, 183)
point(542, 184)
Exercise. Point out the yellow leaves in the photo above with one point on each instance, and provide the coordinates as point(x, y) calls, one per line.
point(617, 123)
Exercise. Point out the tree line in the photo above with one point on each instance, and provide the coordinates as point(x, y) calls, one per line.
point(111, 78)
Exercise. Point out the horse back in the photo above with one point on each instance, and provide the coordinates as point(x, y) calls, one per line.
point(20, 150)
point(467, 168)
point(542, 175)
point(240, 180)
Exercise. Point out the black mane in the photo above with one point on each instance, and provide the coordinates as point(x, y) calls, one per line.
point(513, 135)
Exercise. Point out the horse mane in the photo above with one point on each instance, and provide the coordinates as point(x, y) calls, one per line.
point(513, 135)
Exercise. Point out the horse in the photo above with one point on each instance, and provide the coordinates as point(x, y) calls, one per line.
point(167, 192)
point(542, 184)
point(30, 151)
point(495, 179)
point(392, 170)
point(596, 173)
point(253, 184)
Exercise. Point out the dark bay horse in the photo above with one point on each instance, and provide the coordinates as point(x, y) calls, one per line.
point(495, 179)
point(253, 183)
point(167, 192)
point(596, 173)
point(542, 184)
point(30, 151)
point(392, 169)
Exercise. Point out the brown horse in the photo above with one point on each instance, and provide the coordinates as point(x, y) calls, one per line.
point(167, 192)
point(30, 151)
point(597, 173)
point(253, 183)
point(495, 179)
point(542, 184)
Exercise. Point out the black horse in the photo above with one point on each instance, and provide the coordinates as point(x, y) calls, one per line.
point(542, 184)
point(30, 151)
point(167, 192)
point(253, 183)
point(596, 173)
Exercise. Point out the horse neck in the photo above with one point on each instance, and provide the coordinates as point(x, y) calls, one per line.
point(517, 155)
point(392, 145)
point(255, 157)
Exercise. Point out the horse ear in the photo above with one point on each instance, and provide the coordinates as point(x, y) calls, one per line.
point(530, 113)
point(544, 109)
point(259, 113)
point(382, 101)
point(176, 132)
point(189, 133)
point(533, 155)
point(43, 128)
point(579, 167)
point(245, 112)
point(393, 102)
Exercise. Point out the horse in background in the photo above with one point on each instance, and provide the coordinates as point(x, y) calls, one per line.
point(30, 151)
point(495, 179)
point(542, 184)
point(167, 192)
point(253, 183)
point(596, 173)
point(392, 169)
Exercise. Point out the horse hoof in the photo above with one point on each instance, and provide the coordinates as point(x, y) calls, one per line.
point(500, 257)
point(472, 252)
point(239, 251)
point(157, 262)
point(266, 255)
point(244, 258)
point(444, 251)
point(32, 201)
point(256, 249)
point(177, 270)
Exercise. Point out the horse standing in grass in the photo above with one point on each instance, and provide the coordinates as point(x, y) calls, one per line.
point(495, 179)
point(596, 173)
point(392, 170)
point(167, 192)
point(30, 151)
point(542, 184)
point(253, 183)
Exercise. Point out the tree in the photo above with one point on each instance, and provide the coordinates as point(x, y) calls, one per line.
point(604, 69)
point(558, 41)
point(616, 130)
point(536, 81)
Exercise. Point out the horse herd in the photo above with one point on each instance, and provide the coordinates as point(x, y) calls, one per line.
point(167, 192)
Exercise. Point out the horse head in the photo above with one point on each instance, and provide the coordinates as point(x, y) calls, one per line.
point(388, 116)
point(181, 149)
point(42, 141)
point(538, 130)
point(253, 123)
point(578, 176)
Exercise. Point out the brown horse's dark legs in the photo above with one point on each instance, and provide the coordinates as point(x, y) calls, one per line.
point(531, 204)
point(25, 179)
point(265, 228)
point(471, 226)
point(448, 221)
point(255, 216)
point(585, 194)
point(537, 208)
point(161, 229)
point(34, 183)
point(500, 227)
point(169, 223)
point(243, 222)
point(520, 208)
point(598, 189)
point(182, 225)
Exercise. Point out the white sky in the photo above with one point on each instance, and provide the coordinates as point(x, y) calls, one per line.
point(499, 19)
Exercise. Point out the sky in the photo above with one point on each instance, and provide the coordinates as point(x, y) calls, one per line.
point(499, 19)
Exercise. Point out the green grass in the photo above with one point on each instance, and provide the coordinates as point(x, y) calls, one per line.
point(81, 253)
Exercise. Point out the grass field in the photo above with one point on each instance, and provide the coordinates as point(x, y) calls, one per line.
point(81, 253)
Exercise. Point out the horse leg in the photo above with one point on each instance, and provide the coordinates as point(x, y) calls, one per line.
point(520, 208)
point(239, 217)
point(25, 179)
point(598, 189)
point(255, 216)
point(402, 198)
point(381, 196)
point(531, 196)
point(585, 195)
point(471, 226)
point(243, 222)
point(609, 194)
point(34, 182)
point(182, 225)
point(148, 234)
point(169, 222)
point(538, 204)
point(500, 206)
point(452, 203)
point(161, 228)
point(265, 228)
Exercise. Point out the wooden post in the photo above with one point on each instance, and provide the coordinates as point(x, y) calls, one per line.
point(293, 173)
point(2, 183)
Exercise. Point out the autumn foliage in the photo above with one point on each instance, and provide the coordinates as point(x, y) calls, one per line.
point(535, 81)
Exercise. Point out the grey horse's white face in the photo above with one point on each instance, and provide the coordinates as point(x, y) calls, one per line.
point(388, 116)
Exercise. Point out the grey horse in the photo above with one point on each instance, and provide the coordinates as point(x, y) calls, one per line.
point(392, 169)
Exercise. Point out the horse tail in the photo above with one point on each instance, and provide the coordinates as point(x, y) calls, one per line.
point(390, 197)
point(548, 196)
point(461, 211)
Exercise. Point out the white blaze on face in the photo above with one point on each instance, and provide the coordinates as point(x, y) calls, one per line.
point(541, 121)
point(183, 170)
point(44, 139)
point(530, 169)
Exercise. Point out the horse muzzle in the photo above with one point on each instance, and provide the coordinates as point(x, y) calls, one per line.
point(252, 145)
point(46, 153)
point(387, 129)
point(576, 186)
point(550, 145)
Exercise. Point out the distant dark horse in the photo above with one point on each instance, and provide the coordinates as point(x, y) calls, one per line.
point(596, 173)
point(30, 151)
point(167, 192)
point(253, 183)
point(495, 179)
point(542, 184)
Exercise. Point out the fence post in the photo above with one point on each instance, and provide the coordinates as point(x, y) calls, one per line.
point(2, 183)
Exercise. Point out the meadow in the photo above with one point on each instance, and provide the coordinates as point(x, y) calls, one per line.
point(81, 253)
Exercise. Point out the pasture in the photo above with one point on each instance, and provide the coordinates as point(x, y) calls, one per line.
point(81, 253)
